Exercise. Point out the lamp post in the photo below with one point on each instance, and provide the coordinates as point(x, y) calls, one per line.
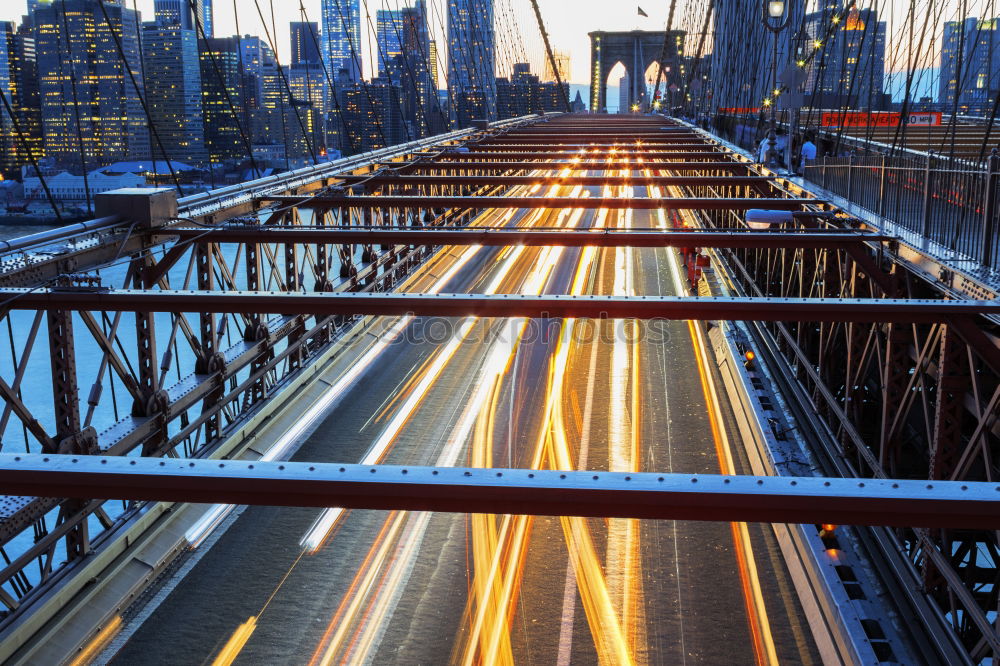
point(795, 75)
point(775, 19)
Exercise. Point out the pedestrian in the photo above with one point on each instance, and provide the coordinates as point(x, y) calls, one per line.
point(808, 153)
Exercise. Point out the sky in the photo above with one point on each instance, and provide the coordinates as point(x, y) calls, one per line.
point(568, 22)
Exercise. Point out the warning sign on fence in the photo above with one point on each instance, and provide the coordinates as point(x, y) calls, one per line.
point(883, 119)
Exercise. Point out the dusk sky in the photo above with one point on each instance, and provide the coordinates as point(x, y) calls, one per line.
point(568, 22)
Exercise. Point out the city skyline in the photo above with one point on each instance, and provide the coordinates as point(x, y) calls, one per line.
point(567, 22)
point(567, 37)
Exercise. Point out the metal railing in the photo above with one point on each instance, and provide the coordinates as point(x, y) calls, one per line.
point(951, 203)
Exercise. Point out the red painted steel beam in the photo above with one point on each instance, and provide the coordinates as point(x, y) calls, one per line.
point(599, 165)
point(500, 305)
point(569, 181)
point(596, 494)
point(503, 237)
point(590, 203)
point(680, 142)
point(631, 155)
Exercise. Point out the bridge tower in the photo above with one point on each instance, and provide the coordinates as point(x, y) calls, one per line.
point(636, 51)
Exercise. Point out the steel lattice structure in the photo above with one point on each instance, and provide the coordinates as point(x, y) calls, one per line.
point(202, 314)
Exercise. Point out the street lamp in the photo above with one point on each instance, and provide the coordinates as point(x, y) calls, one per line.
point(796, 75)
point(775, 19)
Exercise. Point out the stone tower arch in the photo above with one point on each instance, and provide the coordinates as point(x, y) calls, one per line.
point(636, 50)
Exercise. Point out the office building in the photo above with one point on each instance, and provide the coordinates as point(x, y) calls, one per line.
point(742, 52)
point(433, 64)
point(372, 114)
point(389, 37)
point(341, 38)
point(471, 60)
point(305, 43)
point(410, 67)
point(21, 132)
point(181, 13)
point(970, 66)
point(562, 67)
point(173, 92)
point(90, 108)
point(223, 102)
point(848, 70)
point(524, 94)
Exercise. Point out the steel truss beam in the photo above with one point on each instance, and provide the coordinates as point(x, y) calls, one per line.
point(568, 181)
point(673, 142)
point(501, 305)
point(611, 153)
point(501, 237)
point(708, 497)
point(711, 203)
point(705, 166)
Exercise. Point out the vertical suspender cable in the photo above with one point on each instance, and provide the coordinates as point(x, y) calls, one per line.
point(548, 51)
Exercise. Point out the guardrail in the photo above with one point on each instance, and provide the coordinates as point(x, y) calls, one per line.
point(951, 204)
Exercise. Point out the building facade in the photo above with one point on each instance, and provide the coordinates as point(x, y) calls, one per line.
point(372, 115)
point(471, 61)
point(848, 71)
point(341, 40)
point(524, 94)
point(970, 66)
point(389, 37)
point(181, 13)
point(223, 101)
point(742, 50)
point(173, 92)
point(305, 43)
point(90, 109)
point(21, 124)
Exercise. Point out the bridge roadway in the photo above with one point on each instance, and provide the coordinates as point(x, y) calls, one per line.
point(298, 586)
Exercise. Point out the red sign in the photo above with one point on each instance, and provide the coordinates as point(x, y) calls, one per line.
point(739, 109)
point(883, 119)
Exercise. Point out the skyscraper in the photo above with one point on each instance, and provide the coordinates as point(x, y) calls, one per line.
point(207, 18)
point(849, 69)
point(970, 65)
point(223, 104)
point(741, 53)
point(341, 42)
point(180, 13)
point(471, 60)
point(19, 81)
point(173, 92)
point(8, 81)
point(389, 37)
point(405, 49)
point(91, 112)
point(562, 67)
point(305, 43)
point(433, 63)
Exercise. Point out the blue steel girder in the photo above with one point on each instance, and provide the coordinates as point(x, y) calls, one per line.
point(502, 305)
point(904, 503)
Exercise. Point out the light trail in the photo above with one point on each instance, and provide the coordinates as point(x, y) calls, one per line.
point(373, 620)
point(757, 618)
point(203, 528)
point(94, 648)
point(234, 645)
point(609, 636)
